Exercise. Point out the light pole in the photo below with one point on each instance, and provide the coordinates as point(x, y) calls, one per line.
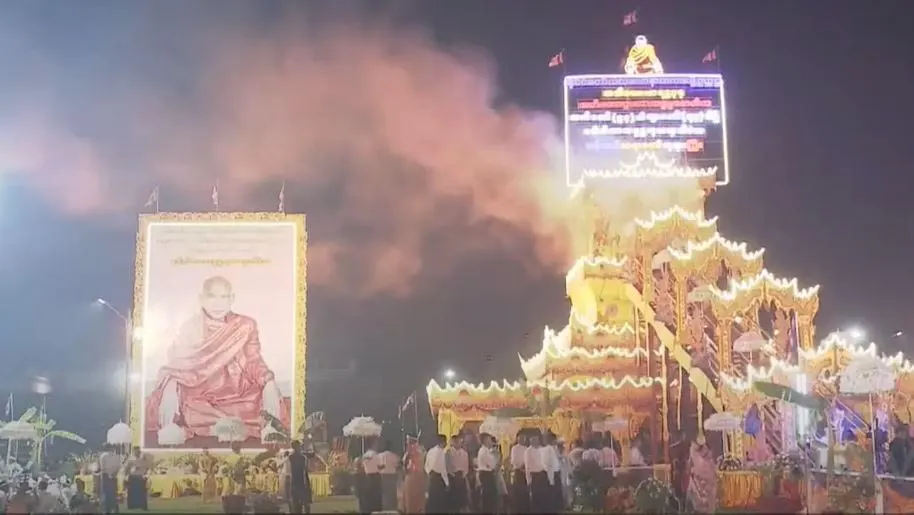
point(128, 347)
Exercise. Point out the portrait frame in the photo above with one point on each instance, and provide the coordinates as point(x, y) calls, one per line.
point(136, 399)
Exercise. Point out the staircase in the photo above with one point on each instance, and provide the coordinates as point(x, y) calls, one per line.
point(772, 420)
point(702, 382)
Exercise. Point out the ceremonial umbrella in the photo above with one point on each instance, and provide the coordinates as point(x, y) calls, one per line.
point(362, 428)
point(16, 430)
point(120, 434)
point(868, 375)
point(723, 422)
point(230, 429)
point(171, 435)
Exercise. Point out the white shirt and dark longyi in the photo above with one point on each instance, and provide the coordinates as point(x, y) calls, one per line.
point(458, 461)
point(551, 459)
point(486, 460)
point(537, 460)
point(388, 462)
point(436, 461)
point(370, 462)
point(517, 456)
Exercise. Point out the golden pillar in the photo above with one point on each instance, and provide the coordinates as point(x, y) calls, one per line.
point(724, 343)
point(807, 331)
point(680, 285)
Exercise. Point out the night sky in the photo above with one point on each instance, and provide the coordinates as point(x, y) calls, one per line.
point(97, 97)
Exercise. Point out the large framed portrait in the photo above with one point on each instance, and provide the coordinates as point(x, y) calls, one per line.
point(218, 356)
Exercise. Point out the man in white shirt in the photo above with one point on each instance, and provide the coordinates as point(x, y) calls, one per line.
point(388, 466)
point(520, 493)
point(539, 479)
point(109, 465)
point(486, 465)
point(553, 466)
point(372, 496)
point(459, 462)
point(438, 481)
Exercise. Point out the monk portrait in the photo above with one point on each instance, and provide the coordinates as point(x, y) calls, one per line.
point(215, 369)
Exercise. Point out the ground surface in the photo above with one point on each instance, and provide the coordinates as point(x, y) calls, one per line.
point(195, 505)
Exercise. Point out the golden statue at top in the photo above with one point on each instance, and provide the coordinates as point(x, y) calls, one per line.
point(642, 58)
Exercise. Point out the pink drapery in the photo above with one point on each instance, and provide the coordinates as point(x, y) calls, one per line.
point(219, 371)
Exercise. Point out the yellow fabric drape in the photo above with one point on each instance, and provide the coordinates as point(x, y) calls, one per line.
point(739, 489)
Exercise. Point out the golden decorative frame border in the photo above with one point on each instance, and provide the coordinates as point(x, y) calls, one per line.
point(299, 411)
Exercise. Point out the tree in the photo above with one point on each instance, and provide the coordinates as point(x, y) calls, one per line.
point(45, 433)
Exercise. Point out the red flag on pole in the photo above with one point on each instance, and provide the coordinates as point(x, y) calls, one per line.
point(630, 18)
point(557, 60)
point(710, 57)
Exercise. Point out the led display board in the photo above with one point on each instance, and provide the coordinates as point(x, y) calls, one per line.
point(645, 126)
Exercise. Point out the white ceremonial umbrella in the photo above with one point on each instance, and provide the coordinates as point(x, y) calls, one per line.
point(868, 375)
point(230, 429)
point(16, 430)
point(120, 434)
point(723, 422)
point(171, 435)
point(500, 428)
point(362, 427)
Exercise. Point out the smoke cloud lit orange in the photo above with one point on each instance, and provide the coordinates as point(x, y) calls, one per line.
point(390, 144)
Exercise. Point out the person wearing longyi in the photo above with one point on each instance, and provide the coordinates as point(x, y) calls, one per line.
point(486, 465)
point(438, 481)
point(520, 493)
point(458, 468)
point(553, 466)
point(215, 369)
point(539, 479)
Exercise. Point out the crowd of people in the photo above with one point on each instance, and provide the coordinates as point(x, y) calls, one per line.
point(465, 473)
point(28, 494)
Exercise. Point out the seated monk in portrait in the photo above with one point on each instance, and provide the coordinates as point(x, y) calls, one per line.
point(214, 370)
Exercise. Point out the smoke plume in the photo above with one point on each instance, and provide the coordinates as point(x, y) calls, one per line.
point(388, 142)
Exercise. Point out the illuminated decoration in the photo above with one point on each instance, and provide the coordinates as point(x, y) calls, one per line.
point(659, 170)
point(692, 249)
point(642, 58)
point(766, 280)
point(612, 121)
point(675, 212)
point(635, 348)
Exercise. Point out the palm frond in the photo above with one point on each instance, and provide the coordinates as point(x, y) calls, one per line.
point(66, 435)
point(28, 415)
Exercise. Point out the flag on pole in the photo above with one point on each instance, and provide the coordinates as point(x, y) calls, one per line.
point(9, 405)
point(282, 198)
point(630, 18)
point(557, 60)
point(710, 57)
point(215, 195)
point(153, 199)
point(407, 403)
